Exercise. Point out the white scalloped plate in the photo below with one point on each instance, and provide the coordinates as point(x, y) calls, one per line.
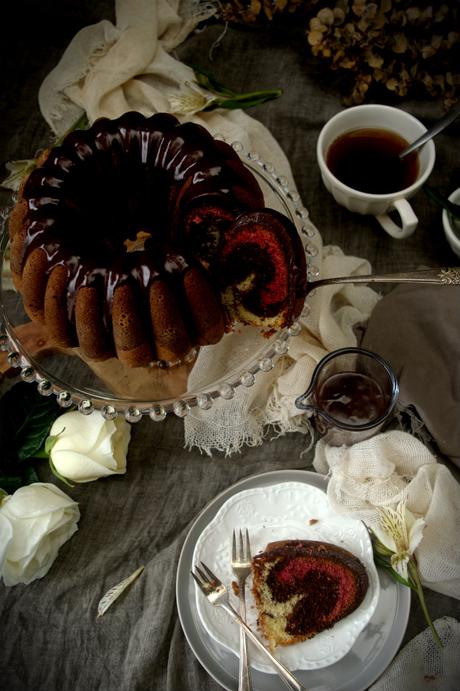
point(279, 512)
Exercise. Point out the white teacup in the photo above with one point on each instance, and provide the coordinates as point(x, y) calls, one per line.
point(377, 117)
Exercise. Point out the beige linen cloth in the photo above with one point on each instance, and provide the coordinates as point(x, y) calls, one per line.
point(423, 665)
point(381, 472)
point(108, 70)
point(391, 467)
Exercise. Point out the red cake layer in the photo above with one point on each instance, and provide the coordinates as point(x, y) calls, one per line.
point(304, 587)
point(263, 269)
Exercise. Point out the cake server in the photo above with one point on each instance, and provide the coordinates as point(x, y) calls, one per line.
point(442, 276)
point(217, 594)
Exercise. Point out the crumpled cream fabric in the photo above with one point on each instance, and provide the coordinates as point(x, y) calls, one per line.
point(108, 70)
point(327, 324)
point(382, 471)
point(422, 664)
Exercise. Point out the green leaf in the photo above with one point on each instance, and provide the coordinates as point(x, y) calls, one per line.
point(249, 100)
point(442, 201)
point(10, 483)
point(382, 560)
point(35, 428)
point(228, 98)
point(26, 418)
point(415, 578)
point(208, 81)
point(50, 442)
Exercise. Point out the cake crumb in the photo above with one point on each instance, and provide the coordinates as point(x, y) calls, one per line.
point(312, 521)
point(235, 588)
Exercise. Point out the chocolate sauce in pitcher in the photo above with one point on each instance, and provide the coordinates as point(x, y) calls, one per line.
point(352, 397)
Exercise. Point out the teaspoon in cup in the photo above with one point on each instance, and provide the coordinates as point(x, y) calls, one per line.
point(433, 131)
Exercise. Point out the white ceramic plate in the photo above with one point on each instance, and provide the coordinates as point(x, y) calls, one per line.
point(372, 652)
point(281, 512)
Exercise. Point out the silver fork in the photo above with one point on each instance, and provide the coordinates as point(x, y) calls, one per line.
point(241, 565)
point(217, 594)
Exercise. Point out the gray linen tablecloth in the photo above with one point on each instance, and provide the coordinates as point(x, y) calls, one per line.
point(50, 638)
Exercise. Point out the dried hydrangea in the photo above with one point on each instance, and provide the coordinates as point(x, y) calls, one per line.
point(403, 46)
point(259, 11)
point(394, 44)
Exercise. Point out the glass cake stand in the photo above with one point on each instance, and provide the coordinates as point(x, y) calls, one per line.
point(208, 373)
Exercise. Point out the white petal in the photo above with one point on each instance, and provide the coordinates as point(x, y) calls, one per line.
point(39, 498)
point(6, 536)
point(48, 547)
point(76, 431)
point(17, 172)
point(385, 537)
point(41, 518)
point(28, 571)
point(120, 442)
point(416, 534)
point(78, 467)
point(102, 451)
point(112, 449)
point(399, 564)
point(27, 532)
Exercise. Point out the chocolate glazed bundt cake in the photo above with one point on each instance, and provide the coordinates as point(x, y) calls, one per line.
point(141, 238)
point(302, 587)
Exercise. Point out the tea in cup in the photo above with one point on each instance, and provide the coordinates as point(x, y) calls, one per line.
point(352, 395)
point(358, 155)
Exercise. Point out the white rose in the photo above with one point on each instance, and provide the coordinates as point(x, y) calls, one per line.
point(34, 522)
point(88, 446)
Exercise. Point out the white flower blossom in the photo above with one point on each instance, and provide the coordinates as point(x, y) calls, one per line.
point(400, 532)
point(192, 99)
point(18, 170)
point(34, 523)
point(85, 448)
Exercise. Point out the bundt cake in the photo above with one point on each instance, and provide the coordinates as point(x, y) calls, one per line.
point(142, 237)
point(302, 587)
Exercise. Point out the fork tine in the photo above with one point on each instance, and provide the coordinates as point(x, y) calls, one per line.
point(248, 547)
point(204, 578)
point(197, 580)
point(241, 550)
point(210, 573)
point(234, 547)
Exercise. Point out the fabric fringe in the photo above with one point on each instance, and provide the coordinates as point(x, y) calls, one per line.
point(199, 10)
point(240, 439)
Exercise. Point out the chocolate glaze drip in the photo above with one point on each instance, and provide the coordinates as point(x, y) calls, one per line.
point(117, 179)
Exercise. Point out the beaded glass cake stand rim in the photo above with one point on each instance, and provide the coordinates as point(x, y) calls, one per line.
point(88, 399)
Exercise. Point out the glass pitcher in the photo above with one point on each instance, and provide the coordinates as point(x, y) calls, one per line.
point(352, 395)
